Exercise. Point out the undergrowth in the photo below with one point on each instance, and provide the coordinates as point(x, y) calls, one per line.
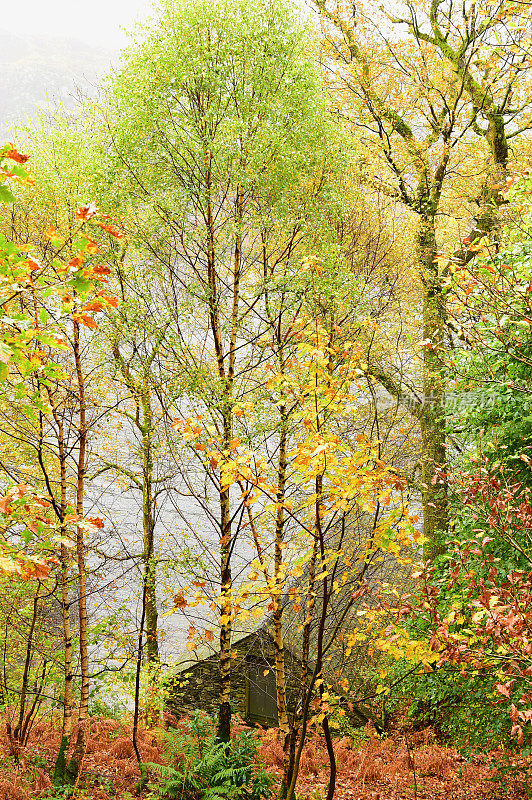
point(185, 763)
point(204, 769)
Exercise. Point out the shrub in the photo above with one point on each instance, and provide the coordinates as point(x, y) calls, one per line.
point(208, 770)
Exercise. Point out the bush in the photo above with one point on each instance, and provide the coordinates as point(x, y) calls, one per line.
point(205, 769)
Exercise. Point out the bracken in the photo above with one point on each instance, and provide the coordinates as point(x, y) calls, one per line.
point(10, 792)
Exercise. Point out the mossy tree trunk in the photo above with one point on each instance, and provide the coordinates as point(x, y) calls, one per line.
point(431, 414)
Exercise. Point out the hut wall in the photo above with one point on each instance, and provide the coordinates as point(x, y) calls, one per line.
point(197, 686)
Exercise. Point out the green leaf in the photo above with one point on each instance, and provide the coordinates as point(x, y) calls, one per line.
point(27, 535)
point(5, 195)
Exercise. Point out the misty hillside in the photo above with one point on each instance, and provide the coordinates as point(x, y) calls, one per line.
point(38, 72)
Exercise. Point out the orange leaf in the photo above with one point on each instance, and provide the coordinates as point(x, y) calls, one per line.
point(88, 211)
point(92, 247)
point(94, 305)
point(84, 319)
point(111, 230)
point(14, 155)
point(96, 521)
point(111, 299)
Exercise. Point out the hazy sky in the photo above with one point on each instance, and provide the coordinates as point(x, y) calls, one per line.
point(97, 22)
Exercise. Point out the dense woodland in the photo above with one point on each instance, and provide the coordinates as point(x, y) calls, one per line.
point(265, 374)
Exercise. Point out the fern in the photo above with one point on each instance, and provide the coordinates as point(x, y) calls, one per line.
point(174, 781)
point(163, 770)
point(212, 794)
point(224, 772)
point(233, 774)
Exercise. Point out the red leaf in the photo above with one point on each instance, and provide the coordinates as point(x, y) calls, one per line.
point(14, 155)
point(97, 522)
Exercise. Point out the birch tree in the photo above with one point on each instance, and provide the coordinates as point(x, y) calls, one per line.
point(218, 107)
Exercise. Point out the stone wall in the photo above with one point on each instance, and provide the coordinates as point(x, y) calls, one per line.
point(197, 686)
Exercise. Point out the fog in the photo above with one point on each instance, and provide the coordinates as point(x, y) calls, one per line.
point(99, 23)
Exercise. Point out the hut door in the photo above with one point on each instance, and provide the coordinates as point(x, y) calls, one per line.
point(262, 702)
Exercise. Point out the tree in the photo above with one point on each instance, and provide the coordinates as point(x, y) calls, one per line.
point(233, 127)
point(459, 67)
point(469, 613)
point(47, 376)
point(330, 481)
point(135, 351)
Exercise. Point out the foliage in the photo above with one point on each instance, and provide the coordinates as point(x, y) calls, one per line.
point(211, 770)
point(37, 296)
point(469, 621)
point(489, 399)
point(465, 618)
point(265, 298)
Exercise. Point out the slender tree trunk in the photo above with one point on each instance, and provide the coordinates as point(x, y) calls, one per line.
point(134, 736)
point(81, 739)
point(331, 788)
point(280, 673)
point(321, 632)
point(226, 378)
point(224, 713)
point(60, 774)
point(150, 570)
point(139, 386)
point(292, 751)
point(60, 770)
point(148, 523)
point(278, 576)
point(18, 734)
point(140, 391)
point(224, 704)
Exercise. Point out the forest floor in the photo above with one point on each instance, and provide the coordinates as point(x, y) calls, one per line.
point(406, 765)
